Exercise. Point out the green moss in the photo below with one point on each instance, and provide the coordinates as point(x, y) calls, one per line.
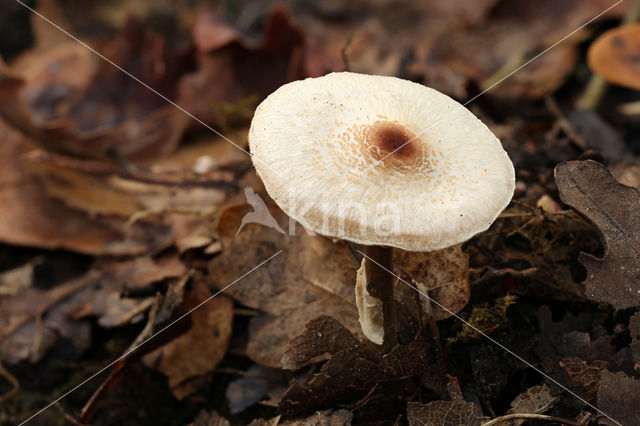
point(485, 318)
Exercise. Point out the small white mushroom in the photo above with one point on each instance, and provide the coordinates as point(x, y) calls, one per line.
point(382, 162)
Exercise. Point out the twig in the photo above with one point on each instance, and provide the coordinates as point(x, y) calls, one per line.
point(11, 379)
point(343, 51)
point(55, 295)
point(118, 368)
point(564, 124)
point(543, 417)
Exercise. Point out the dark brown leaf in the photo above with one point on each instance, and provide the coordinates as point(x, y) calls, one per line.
point(353, 371)
point(634, 330)
point(444, 413)
point(619, 397)
point(586, 374)
point(614, 208)
point(322, 335)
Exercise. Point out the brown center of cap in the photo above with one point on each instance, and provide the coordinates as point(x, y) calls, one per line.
point(391, 139)
point(394, 145)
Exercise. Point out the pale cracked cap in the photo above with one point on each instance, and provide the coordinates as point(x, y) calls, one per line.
point(380, 161)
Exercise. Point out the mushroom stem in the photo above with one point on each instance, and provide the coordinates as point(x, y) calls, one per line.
point(378, 263)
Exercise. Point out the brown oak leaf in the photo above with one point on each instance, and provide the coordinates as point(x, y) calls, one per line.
point(590, 188)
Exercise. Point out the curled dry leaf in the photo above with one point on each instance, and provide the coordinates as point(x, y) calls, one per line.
point(99, 188)
point(619, 397)
point(29, 217)
point(226, 88)
point(614, 208)
point(444, 413)
point(201, 348)
point(72, 102)
point(442, 274)
point(614, 56)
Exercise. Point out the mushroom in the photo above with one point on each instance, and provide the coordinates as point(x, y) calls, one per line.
point(381, 162)
point(614, 56)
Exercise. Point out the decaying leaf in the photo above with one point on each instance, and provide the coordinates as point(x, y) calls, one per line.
point(29, 217)
point(100, 188)
point(444, 413)
point(535, 400)
point(619, 397)
point(201, 348)
point(355, 370)
point(32, 320)
point(65, 99)
point(225, 88)
point(615, 209)
point(586, 374)
point(322, 335)
point(339, 417)
point(442, 274)
point(450, 58)
point(314, 276)
point(614, 56)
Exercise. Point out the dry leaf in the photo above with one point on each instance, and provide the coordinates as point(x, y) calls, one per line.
point(29, 217)
point(226, 88)
point(535, 400)
point(254, 385)
point(614, 208)
point(201, 348)
point(614, 56)
point(209, 419)
point(509, 35)
point(586, 374)
point(339, 417)
point(619, 397)
point(66, 100)
point(444, 413)
point(354, 370)
point(97, 293)
point(314, 276)
point(443, 275)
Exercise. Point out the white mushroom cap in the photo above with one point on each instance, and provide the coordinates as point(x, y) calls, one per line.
point(380, 161)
